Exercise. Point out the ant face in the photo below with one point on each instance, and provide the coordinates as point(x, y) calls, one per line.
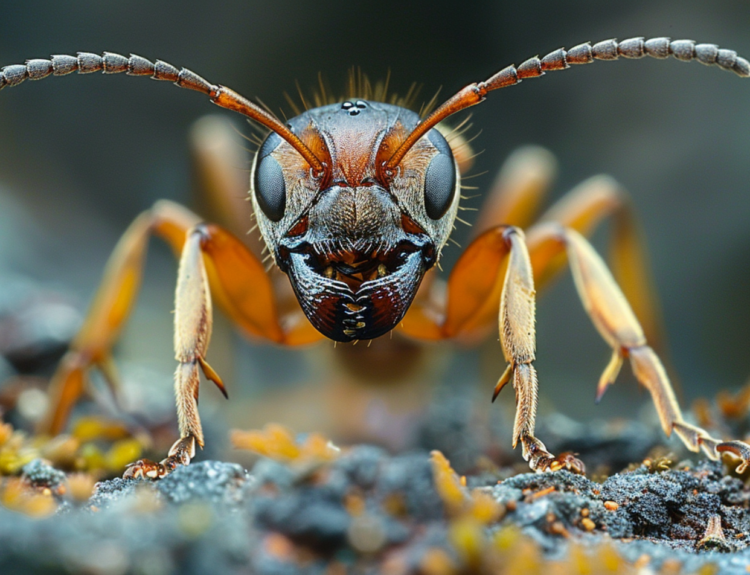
point(355, 240)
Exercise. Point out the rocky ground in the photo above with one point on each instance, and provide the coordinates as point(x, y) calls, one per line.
point(307, 506)
point(362, 510)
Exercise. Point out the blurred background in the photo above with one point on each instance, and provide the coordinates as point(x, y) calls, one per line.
point(80, 157)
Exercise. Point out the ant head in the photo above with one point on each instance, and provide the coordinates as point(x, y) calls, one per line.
point(357, 237)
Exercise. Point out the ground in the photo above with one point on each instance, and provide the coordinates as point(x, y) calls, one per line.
point(312, 508)
point(305, 505)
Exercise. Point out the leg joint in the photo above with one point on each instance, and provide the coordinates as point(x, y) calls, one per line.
point(202, 230)
point(508, 232)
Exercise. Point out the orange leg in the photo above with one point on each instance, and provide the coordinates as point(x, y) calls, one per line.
point(521, 185)
point(583, 209)
point(616, 322)
point(497, 265)
point(475, 288)
point(480, 280)
point(515, 198)
point(212, 261)
point(221, 169)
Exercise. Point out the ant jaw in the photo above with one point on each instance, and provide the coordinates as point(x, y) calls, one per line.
point(351, 308)
point(355, 261)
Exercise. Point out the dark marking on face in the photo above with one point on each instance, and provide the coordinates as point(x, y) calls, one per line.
point(357, 250)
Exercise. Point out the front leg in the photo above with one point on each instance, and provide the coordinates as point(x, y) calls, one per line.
point(193, 319)
point(614, 319)
point(496, 266)
point(518, 339)
point(236, 277)
point(212, 262)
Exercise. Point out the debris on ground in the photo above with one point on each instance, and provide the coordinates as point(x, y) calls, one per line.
point(360, 509)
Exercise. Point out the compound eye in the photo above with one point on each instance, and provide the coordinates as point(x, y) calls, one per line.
point(440, 179)
point(269, 185)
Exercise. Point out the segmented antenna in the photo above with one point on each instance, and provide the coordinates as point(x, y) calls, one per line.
point(109, 63)
point(632, 48)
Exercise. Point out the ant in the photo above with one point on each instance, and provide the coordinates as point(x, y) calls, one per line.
point(355, 201)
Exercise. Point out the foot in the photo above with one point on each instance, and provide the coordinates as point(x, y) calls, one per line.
point(738, 448)
point(567, 460)
point(541, 460)
point(180, 453)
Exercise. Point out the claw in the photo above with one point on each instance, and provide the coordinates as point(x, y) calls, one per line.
point(738, 448)
point(145, 469)
point(180, 453)
point(541, 460)
point(610, 375)
point(209, 372)
point(569, 461)
point(505, 378)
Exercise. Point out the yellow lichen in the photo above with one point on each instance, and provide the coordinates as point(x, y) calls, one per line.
point(90, 457)
point(81, 486)
point(448, 484)
point(354, 504)
point(609, 559)
point(468, 539)
point(279, 443)
point(121, 453)
point(484, 508)
point(15, 453)
point(61, 451)
point(525, 557)
point(90, 428)
point(19, 496)
point(505, 539)
point(436, 561)
point(80, 451)
point(587, 524)
point(459, 502)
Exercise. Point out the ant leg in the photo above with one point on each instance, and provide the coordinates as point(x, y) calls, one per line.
point(518, 190)
point(209, 256)
point(221, 170)
point(496, 267)
point(518, 340)
point(192, 333)
point(514, 199)
point(104, 320)
point(582, 209)
point(213, 257)
point(613, 317)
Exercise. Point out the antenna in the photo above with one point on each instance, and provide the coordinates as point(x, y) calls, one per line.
point(109, 63)
point(561, 59)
